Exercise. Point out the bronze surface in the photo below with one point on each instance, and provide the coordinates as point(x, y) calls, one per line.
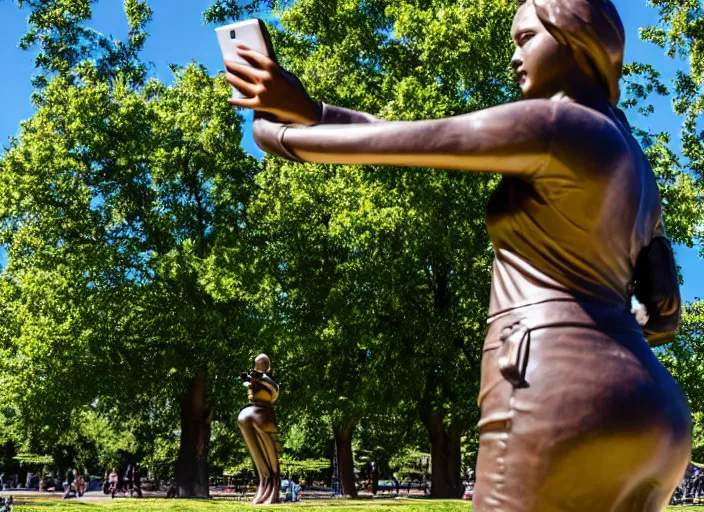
point(258, 426)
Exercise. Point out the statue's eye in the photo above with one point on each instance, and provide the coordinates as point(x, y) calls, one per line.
point(525, 37)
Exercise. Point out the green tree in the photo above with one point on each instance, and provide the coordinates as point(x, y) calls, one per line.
point(58, 28)
point(121, 198)
point(684, 358)
point(324, 227)
point(680, 32)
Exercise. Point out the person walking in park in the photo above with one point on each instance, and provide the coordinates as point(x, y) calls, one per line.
point(136, 482)
point(577, 413)
point(113, 479)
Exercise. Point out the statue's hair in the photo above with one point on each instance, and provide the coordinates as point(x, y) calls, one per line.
point(595, 33)
point(264, 357)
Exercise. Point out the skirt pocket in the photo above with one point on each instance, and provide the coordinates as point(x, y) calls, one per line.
point(513, 354)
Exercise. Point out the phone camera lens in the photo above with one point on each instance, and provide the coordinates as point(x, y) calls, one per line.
point(233, 35)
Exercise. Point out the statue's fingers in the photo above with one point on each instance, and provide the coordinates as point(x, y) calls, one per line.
point(247, 88)
point(256, 59)
point(252, 103)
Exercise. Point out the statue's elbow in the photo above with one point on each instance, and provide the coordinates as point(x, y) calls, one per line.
point(269, 135)
point(662, 327)
point(260, 134)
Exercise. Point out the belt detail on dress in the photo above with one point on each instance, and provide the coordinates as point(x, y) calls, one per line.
point(510, 332)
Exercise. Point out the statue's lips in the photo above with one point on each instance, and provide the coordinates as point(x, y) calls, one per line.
point(519, 76)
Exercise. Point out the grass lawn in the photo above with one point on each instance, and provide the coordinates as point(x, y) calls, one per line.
point(163, 505)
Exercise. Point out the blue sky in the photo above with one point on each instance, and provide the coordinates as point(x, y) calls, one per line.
point(178, 36)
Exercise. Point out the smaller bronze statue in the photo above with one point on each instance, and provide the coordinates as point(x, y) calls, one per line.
point(258, 426)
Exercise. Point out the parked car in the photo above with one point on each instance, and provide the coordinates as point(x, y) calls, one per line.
point(386, 485)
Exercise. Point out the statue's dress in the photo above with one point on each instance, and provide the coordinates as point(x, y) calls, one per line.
point(577, 414)
point(258, 425)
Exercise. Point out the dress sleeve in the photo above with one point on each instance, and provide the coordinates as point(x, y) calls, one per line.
point(510, 139)
point(330, 114)
point(656, 286)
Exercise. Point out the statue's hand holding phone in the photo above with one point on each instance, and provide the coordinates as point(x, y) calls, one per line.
point(257, 80)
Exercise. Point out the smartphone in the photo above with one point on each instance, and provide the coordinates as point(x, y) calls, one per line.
point(251, 33)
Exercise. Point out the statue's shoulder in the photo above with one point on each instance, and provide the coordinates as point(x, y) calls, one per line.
point(571, 116)
point(588, 140)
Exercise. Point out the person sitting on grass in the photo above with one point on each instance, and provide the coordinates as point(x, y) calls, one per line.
point(71, 484)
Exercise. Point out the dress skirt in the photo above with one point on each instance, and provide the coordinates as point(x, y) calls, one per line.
point(577, 414)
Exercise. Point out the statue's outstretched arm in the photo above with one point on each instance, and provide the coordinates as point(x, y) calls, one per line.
point(510, 139)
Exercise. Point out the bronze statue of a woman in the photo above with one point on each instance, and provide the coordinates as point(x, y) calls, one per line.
point(258, 426)
point(577, 414)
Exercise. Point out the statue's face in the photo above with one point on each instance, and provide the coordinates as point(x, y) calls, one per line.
point(261, 363)
point(541, 64)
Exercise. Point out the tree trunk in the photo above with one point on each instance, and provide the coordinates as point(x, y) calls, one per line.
point(446, 457)
point(345, 462)
point(192, 464)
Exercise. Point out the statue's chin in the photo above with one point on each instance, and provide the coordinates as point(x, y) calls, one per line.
point(524, 84)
